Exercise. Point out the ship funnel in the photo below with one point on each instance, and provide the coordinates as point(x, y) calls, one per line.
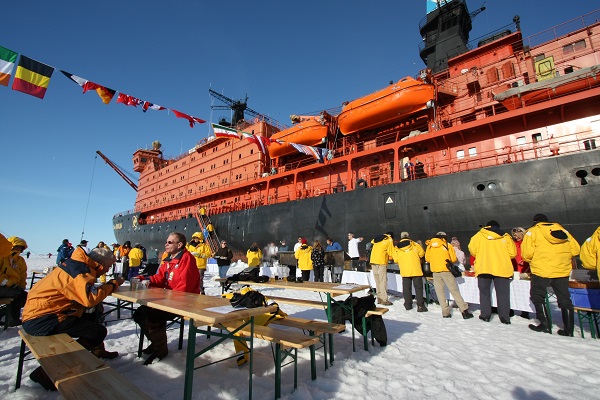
point(156, 145)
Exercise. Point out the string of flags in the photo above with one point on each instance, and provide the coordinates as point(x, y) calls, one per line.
point(33, 77)
point(318, 153)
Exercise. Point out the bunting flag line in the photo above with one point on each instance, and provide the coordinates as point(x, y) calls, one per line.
point(261, 141)
point(128, 100)
point(147, 105)
point(317, 152)
point(32, 77)
point(191, 119)
point(105, 93)
point(225, 132)
point(7, 63)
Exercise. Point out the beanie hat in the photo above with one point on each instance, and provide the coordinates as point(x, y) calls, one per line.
point(440, 233)
point(102, 256)
point(493, 223)
point(404, 235)
point(540, 218)
point(304, 241)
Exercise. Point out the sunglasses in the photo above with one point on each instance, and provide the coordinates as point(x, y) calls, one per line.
point(517, 230)
point(170, 242)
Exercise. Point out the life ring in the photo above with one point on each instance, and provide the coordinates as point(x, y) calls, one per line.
point(361, 183)
point(317, 192)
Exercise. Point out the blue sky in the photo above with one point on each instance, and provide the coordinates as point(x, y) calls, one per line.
point(289, 57)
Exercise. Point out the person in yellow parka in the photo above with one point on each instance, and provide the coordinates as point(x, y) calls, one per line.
point(549, 249)
point(438, 254)
point(201, 252)
point(381, 252)
point(13, 277)
point(254, 256)
point(136, 255)
point(304, 261)
point(590, 252)
point(57, 302)
point(493, 251)
point(408, 254)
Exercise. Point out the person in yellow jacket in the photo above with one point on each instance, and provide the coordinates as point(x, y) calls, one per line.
point(408, 254)
point(254, 256)
point(56, 304)
point(438, 254)
point(304, 261)
point(136, 255)
point(549, 249)
point(381, 252)
point(13, 277)
point(201, 252)
point(590, 252)
point(493, 251)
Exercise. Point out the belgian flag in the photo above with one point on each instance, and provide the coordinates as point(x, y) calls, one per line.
point(32, 77)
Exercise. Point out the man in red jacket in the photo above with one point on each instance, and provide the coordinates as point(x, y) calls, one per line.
point(177, 272)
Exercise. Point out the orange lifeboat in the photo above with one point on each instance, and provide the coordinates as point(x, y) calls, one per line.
point(307, 130)
point(386, 106)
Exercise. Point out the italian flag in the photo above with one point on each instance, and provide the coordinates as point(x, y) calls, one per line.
point(225, 132)
point(7, 63)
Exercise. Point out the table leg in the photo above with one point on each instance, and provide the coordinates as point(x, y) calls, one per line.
point(251, 357)
point(189, 362)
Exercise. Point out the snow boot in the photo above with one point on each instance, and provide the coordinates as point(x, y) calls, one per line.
point(568, 317)
point(158, 337)
point(100, 352)
point(540, 311)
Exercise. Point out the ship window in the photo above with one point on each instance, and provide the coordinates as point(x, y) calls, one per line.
point(251, 151)
point(521, 140)
point(460, 154)
point(472, 151)
point(573, 47)
point(539, 57)
point(536, 137)
point(240, 156)
point(492, 185)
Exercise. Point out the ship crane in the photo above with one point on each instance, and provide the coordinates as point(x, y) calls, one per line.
point(239, 108)
point(118, 170)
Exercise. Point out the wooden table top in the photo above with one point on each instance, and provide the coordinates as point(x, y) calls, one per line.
point(335, 289)
point(189, 305)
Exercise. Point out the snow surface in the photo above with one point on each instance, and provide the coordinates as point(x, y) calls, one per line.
point(427, 357)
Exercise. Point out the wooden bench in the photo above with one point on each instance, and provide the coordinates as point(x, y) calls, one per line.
point(590, 317)
point(76, 373)
point(36, 276)
point(323, 330)
point(4, 302)
point(377, 311)
point(286, 344)
point(297, 302)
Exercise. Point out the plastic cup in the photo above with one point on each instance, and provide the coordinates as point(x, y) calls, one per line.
point(135, 283)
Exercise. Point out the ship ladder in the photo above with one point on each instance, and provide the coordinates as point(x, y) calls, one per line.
point(208, 230)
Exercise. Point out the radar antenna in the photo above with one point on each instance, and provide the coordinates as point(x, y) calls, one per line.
point(239, 108)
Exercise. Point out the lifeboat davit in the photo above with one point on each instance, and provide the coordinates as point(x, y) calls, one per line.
point(547, 89)
point(386, 106)
point(307, 130)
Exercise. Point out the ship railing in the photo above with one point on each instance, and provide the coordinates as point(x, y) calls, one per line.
point(563, 29)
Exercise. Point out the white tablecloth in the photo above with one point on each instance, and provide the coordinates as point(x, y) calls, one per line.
point(519, 289)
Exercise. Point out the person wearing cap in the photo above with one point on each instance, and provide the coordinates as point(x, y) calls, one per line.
point(83, 246)
point(223, 257)
point(201, 252)
point(13, 277)
point(408, 254)
point(56, 304)
point(64, 251)
point(305, 263)
point(438, 253)
point(381, 252)
point(549, 249)
point(493, 251)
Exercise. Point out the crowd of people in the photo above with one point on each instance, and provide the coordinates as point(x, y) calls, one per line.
point(69, 299)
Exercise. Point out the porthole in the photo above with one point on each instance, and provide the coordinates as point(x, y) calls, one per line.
point(481, 187)
point(492, 185)
point(596, 171)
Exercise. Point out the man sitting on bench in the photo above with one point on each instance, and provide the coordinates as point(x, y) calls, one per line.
point(57, 302)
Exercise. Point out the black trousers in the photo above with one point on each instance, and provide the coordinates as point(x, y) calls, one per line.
point(537, 293)
point(93, 332)
point(13, 310)
point(306, 275)
point(407, 285)
point(319, 272)
point(502, 286)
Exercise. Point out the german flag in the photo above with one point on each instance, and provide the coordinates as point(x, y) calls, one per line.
point(32, 77)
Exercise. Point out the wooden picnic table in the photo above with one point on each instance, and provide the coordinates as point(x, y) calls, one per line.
point(201, 310)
